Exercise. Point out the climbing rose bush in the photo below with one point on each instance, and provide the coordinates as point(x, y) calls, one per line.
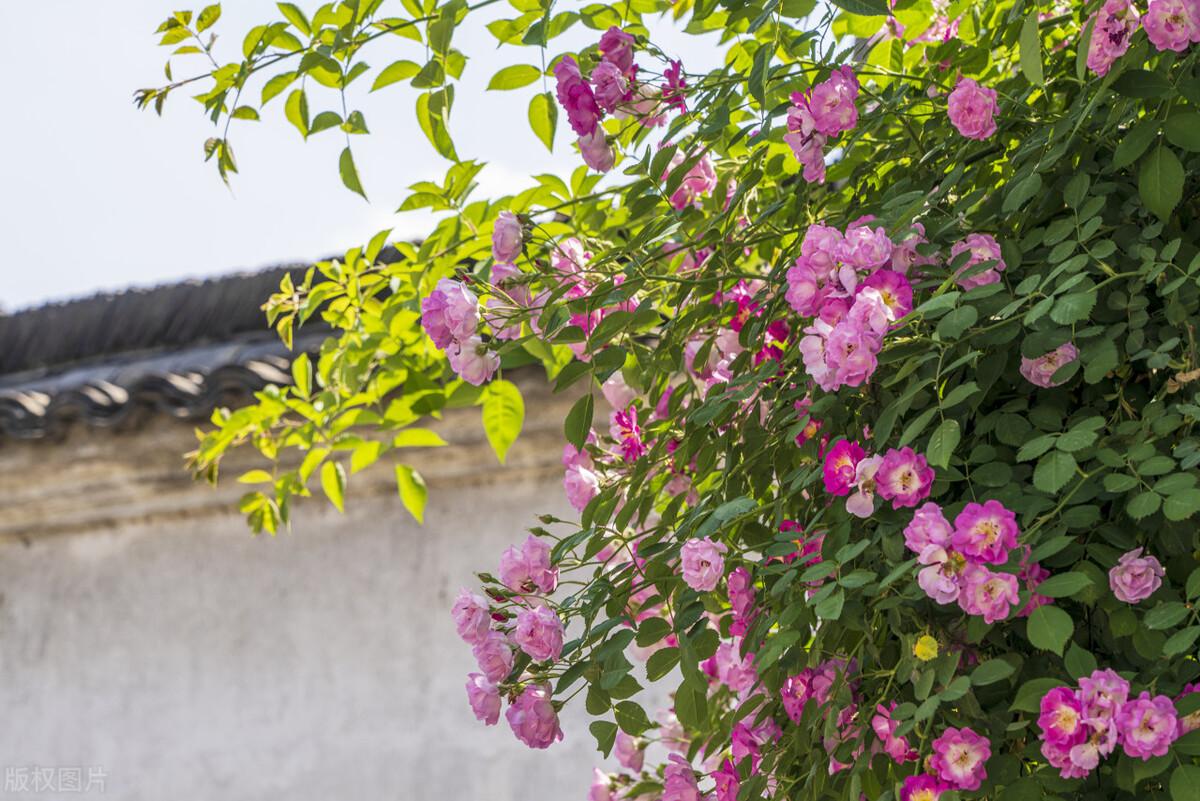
point(881, 339)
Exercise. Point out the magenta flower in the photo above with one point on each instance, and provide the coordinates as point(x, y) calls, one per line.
point(703, 563)
point(472, 360)
point(972, 109)
point(1040, 371)
point(1061, 718)
point(539, 633)
point(528, 568)
point(494, 656)
point(506, 238)
point(626, 429)
point(1112, 28)
point(616, 48)
point(679, 781)
point(959, 758)
point(983, 248)
point(533, 718)
point(922, 787)
point(1135, 577)
point(927, 527)
point(673, 90)
point(1146, 726)
point(805, 291)
point(1172, 24)
point(576, 97)
point(727, 783)
point(982, 592)
point(904, 478)
point(894, 289)
point(740, 587)
point(484, 699)
point(1031, 574)
point(472, 616)
point(840, 461)
point(449, 313)
point(985, 532)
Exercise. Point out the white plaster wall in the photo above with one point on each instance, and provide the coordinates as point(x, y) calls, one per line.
point(191, 660)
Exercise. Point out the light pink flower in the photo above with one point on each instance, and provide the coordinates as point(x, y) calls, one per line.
point(616, 47)
point(885, 729)
point(539, 633)
point(982, 247)
point(985, 593)
point(862, 503)
point(703, 563)
point(472, 360)
point(449, 313)
point(495, 656)
point(941, 578)
point(904, 478)
point(1146, 726)
point(864, 248)
point(1172, 24)
point(506, 238)
point(1102, 695)
point(533, 718)
point(596, 151)
point(528, 568)
point(741, 593)
point(612, 88)
point(484, 699)
point(804, 292)
point(806, 142)
point(630, 752)
point(959, 758)
point(601, 789)
point(580, 485)
point(985, 532)
point(1135, 577)
point(576, 96)
point(1112, 28)
point(679, 781)
point(831, 103)
point(972, 109)
point(472, 616)
point(1040, 371)
point(927, 527)
point(699, 182)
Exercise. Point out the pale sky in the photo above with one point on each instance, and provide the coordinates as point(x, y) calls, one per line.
point(97, 196)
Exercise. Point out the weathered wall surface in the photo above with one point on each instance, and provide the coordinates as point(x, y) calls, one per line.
point(144, 631)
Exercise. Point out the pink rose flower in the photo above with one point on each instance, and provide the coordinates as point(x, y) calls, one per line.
point(601, 789)
point(1135, 577)
point(673, 95)
point(1191, 721)
point(533, 718)
point(904, 478)
point(729, 668)
point(630, 752)
point(612, 88)
point(982, 247)
point(894, 290)
point(741, 593)
point(576, 97)
point(703, 563)
point(472, 361)
point(864, 248)
point(959, 758)
point(804, 292)
point(982, 592)
point(831, 103)
point(806, 142)
point(727, 783)
point(581, 485)
point(1102, 695)
point(862, 502)
point(506, 238)
point(927, 527)
point(885, 729)
point(840, 463)
point(972, 109)
point(495, 656)
point(616, 48)
point(985, 532)
point(679, 781)
point(628, 433)
point(1031, 575)
point(941, 579)
point(528, 568)
point(1061, 719)
point(596, 151)
point(1172, 24)
point(539, 633)
point(1040, 371)
point(1112, 28)
point(1146, 726)
point(700, 181)
point(472, 616)
point(922, 787)
point(484, 699)
point(449, 313)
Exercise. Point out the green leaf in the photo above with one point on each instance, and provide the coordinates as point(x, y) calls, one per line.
point(333, 482)
point(503, 415)
point(413, 492)
point(208, 17)
point(1049, 628)
point(349, 173)
point(294, 15)
point(418, 438)
point(942, 443)
point(296, 110)
point(543, 118)
point(631, 717)
point(579, 420)
point(866, 8)
point(1160, 182)
point(1182, 505)
point(1185, 783)
point(1143, 505)
point(1031, 49)
point(514, 77)
point(605, 733)
point(1064, 585)
point(990, 672)
point(1023, 190)
point(1029, 696)
point(302, 375)
point(1073, 307)
point(661, 663)
point(691, 703)
point(1183, 130)
point(395, 72)
point(1053, 471)
point(1134, 143)
point(1164, 616)
point(1181, 642)
point(1141, 84)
